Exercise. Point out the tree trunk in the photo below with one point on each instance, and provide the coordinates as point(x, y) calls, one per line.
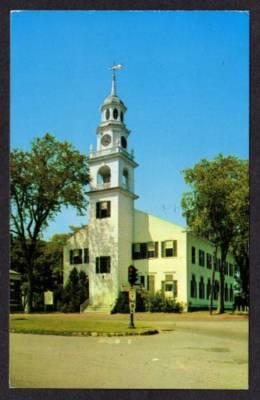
point(212, 281)
point(30, 291)
point(221, 295)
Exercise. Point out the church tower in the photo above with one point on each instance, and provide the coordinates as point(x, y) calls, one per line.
point(111, 204)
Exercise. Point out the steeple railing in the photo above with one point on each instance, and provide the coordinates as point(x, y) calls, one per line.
point(111, 150)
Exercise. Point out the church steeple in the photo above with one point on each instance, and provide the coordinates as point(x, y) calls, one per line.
point(113, 88)
point(111, 203)
point(112, 133)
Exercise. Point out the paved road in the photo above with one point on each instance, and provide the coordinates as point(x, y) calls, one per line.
point(194, 356)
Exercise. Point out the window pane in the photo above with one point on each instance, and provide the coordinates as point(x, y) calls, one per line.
point(168, 244)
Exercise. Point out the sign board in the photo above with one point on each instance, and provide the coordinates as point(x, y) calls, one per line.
point(48, 298)
point(132, 295)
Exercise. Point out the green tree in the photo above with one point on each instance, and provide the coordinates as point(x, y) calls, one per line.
point(240, 243)
point(75, 291)
point(44, 180)
point(47, 269)
point(212, 208)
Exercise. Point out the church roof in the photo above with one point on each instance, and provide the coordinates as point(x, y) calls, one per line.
point(113, 100)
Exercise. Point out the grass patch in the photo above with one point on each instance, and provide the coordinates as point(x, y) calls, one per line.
point(68, 326)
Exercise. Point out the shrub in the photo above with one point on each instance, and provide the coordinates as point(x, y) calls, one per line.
point(75, 291)
point(147, 302)
point(159, 303)
point(122, 303)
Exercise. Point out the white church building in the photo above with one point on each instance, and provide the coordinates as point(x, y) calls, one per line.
point(167, 256)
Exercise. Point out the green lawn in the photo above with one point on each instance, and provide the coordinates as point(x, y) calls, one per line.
point(72, 325)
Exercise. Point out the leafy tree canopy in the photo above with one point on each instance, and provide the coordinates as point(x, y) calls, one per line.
point(219, 195)
point(51, 175)
point(217, 207)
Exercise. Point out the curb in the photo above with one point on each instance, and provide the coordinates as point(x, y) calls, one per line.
point(87, 333)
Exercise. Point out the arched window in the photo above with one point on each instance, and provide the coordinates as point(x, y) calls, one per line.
point(122, 116)
point(125, 177)
point(107, 114)
point(208, 289)
point(104, 175)
point(123, 142)
point(201, 288)
point(193, 287)
point(115, 113)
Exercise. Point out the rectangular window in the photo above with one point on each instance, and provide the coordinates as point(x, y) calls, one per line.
point(142, 281)
point(169, 248)
point(201, 258)
point(103, 209)
point(86, 256)
point(231, 270)
point(144, 250)
point(193, 287)
point(103, 265)
point(76, 256)
point(193, 255)
point(209, 261)
point(168, 287)
point(152, 249)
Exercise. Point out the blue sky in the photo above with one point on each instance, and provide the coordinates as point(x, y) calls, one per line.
point(185, 83)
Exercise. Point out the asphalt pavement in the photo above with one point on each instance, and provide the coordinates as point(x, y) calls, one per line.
point(185, 355)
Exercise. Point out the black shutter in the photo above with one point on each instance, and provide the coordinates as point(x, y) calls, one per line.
point(97, 210)
point(156, 249)
point(163, 286)
point(175, 289)
point(80, 256)
point(108, 208)
point(71, 256)
point(97, 265)
point(143, 250)
point(175, 248)
point(133, 252)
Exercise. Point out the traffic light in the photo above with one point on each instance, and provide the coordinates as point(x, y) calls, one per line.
point(132, 275)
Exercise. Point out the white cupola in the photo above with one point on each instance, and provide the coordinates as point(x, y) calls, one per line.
point(112, 132)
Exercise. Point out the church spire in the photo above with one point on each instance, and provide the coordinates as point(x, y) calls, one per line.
point(114, 68)
point(113, 88)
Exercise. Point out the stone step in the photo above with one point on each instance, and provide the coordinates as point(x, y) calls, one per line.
point(101, 309)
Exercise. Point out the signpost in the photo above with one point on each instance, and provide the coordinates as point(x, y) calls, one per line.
point(48, 300)
point(132, 278)
point(132, 300)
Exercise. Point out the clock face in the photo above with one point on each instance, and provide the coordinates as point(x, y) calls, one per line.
point(106, 140)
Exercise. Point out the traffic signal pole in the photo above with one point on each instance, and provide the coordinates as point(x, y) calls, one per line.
point(131, 307)
point(132, 278)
